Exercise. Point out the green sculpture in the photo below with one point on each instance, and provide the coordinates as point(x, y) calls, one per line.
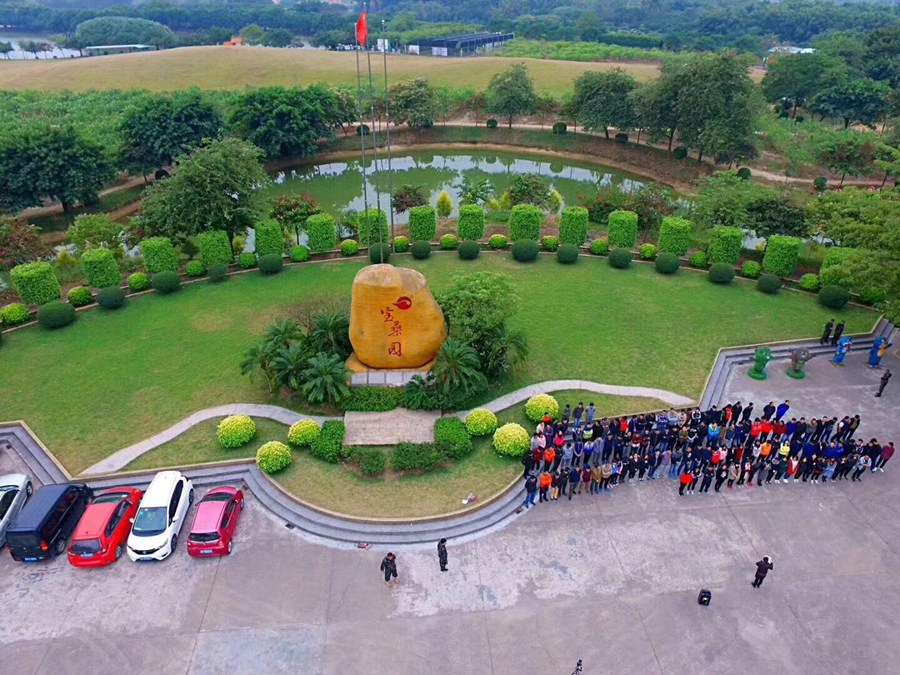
point(799, 357)
point(760, 360)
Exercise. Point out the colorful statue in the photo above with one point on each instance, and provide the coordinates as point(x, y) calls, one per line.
point(799, 357)
point(840, 353)
point(760, 359)
point(877, 351)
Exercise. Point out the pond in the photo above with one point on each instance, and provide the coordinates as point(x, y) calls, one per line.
point(338, 185)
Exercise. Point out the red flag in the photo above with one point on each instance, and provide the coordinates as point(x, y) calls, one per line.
point(362, 30)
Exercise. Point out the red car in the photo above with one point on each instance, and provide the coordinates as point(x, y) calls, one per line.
point(215, 522)
point(100, 535)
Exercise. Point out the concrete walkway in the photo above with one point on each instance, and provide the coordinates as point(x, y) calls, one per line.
point(391, 427)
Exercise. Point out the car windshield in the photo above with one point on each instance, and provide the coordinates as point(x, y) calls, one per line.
point(109, 498)
point(217, 497)
point(204, 537)
point(86, 547)
point(7, 497)
point(150, 521)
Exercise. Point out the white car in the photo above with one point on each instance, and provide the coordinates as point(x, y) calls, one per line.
point(15, 489)
point(163, 509)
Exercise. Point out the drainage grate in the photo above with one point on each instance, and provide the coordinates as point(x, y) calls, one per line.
point(289, 526)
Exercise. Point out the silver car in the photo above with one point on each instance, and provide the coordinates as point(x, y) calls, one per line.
point(15, 489)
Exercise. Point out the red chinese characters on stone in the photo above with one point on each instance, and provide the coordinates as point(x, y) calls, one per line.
point(395, 349)
point(396, 330)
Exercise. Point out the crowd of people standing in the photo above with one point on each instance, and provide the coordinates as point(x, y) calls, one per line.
point(733, 446)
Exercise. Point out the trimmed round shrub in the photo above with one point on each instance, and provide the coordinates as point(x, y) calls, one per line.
point(820, 183)
point(14, 314)
point(379, 253)
point(246, 260)
point(215, 249)
point(195, 268)
point(401, 244)
point(55, 314)
point(599, 247)
point(621, 137)
point(744, 173)
point(699, 260)
point(768, 283)
point(872, 295)
point(422, 223)
point(235, 431)
point(449, 242)
point(159, 255)
point(420, 249)
point(573, 225)
point(491, 123)
point(471, 222)
point(349, 247)
point(721, 273)
point(273, 457)
point(833, 296)
point(539, 405)
point(271, 264)
point(372, 226)
point(680, 152)
point(725, 245)
point(100, 268)
point(751, 270)
point(559, 128)
point(549, 243)
point(782, 255)
point(299, 254)
point(166, 282)
point(525, 222)
point(468, 250)
point(269, 238)
point(497, 242)
point(321, 232)
point(79, 296)
point(620, 258)
point(481, 422)
point(303, 432)
point(647, 252)
point(372, 461)
point(675, 235)
point(622, 228)
point(512, 440)
point(218, 273)
point(362, 130)
point(138, 282)
point(810, 282)
point(567, 254)
point(667, 263)
point(525, 250)
point(36, 283)
point(111, 298)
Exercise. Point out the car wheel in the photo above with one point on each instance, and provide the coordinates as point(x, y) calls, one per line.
point(118, 553)
point(242, 505)
point(60, 546)
point(29, 489)
point(230, 543)
point(174, 544)
point(191, 497)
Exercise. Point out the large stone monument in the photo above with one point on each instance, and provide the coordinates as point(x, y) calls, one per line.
point(395, 322)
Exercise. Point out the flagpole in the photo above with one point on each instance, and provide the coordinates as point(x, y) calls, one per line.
point(374, 150)
point(387, 115)
point(362, 135)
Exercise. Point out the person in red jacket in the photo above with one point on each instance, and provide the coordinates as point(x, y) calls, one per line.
point(546, 482)
point(686, 479)
point(886, 453)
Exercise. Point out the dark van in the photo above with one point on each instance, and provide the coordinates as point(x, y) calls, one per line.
point(45, 523)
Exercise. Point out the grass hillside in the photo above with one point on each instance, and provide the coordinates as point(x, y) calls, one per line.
point(236, 68)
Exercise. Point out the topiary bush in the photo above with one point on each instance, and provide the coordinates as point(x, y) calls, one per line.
point(525, 222)
point(699, 261)
point(680, 152)
point(159, 255)
point(166, 282)
point(512, 440)
point(497, 242)
point(273, 457)
point(721, 273)
point(362, 130)
point(79, 296)
point(215, 249)
point(647, 252)
point(725, 245)
point(218, 273)
point(269, 238)
point(820, 183)
point(452, 438)
point(622, 229)
point(471, 222)
point(271, 263)
point(751, 270)
point(100, 268)
point(138, 282)
point(35, 283)
point(567, 254)
point(621, 137)
point(620, 258)
point(744, 173)
point(539, 405)
point(401, 244)
point(768, 283)
point(246, 260)
point(235, 431)
point(491, 123)
point(810, 282)
point(372, 461)
point(468, 250)
point(449, 242)
point(111, 298)
point(422, 223)
point(675, 235)
point(549, 243)
point(667, 263)
point(14, 314)
point(55, 314)
point(303, 432)
point(321, 232)
point(444, 205)
point(299, 254)
point(559, 128)
point(372, 227)
point(782, 255)
point(329, 446)
point(349, 247)
point(834, 296)
point(573, 225)
point(379, 253)
point(481, 422)
point(195, 268)
point(525, 250)
point(599, 247)
point(420, 250)
point(872, 295)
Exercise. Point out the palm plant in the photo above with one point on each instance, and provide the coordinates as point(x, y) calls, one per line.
point(457, 371)
point(258, 361)
point(331, 333)
point(289, 364)
point(503, 351)
point(325, 378)
point(283, 332)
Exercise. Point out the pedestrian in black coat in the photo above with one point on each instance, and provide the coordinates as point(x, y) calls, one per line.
point(838, 331)
point(826, 334)
point(389, 567)
point(442, 554)
point(883, 383)
point(762, 569)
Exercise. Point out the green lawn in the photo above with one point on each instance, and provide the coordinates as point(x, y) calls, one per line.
point(114, 378)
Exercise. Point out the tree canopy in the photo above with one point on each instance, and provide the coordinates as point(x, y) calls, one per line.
point(511, 93)
point(123, 30)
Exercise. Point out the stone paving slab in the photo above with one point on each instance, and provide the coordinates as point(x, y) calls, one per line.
point(390, 428)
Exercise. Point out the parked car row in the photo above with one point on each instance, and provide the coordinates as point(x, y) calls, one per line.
point(37, 524)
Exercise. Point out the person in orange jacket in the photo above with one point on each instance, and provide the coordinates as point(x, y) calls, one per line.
point(546, 482)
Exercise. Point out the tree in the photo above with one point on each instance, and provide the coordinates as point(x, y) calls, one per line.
point(19, 243)
point(797, 77)
point(861, 100)
point(603, 100)
point(529, 189)
point(511, 93)
point(292, 211)
point(325, 379)
point(406, 197)
point(413, 103)
point(123, 30)
point(253, 34)
point(474, 190)
point(654, 106)
point(216, 187)
point(30, 47)
point(652, 202)
point(476, 105)
point(95, 231)
point(278, 37)
point(848, 152)
point(545, 106)
point(590, 27)
point(724, 199)
point(56, 162)
point(883, 54)
point(776, 212)
point(6, 48)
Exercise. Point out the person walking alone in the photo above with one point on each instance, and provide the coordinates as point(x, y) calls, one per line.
point(389, 567)
point(442, 554)
point(762, 569)
point(884, 381)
